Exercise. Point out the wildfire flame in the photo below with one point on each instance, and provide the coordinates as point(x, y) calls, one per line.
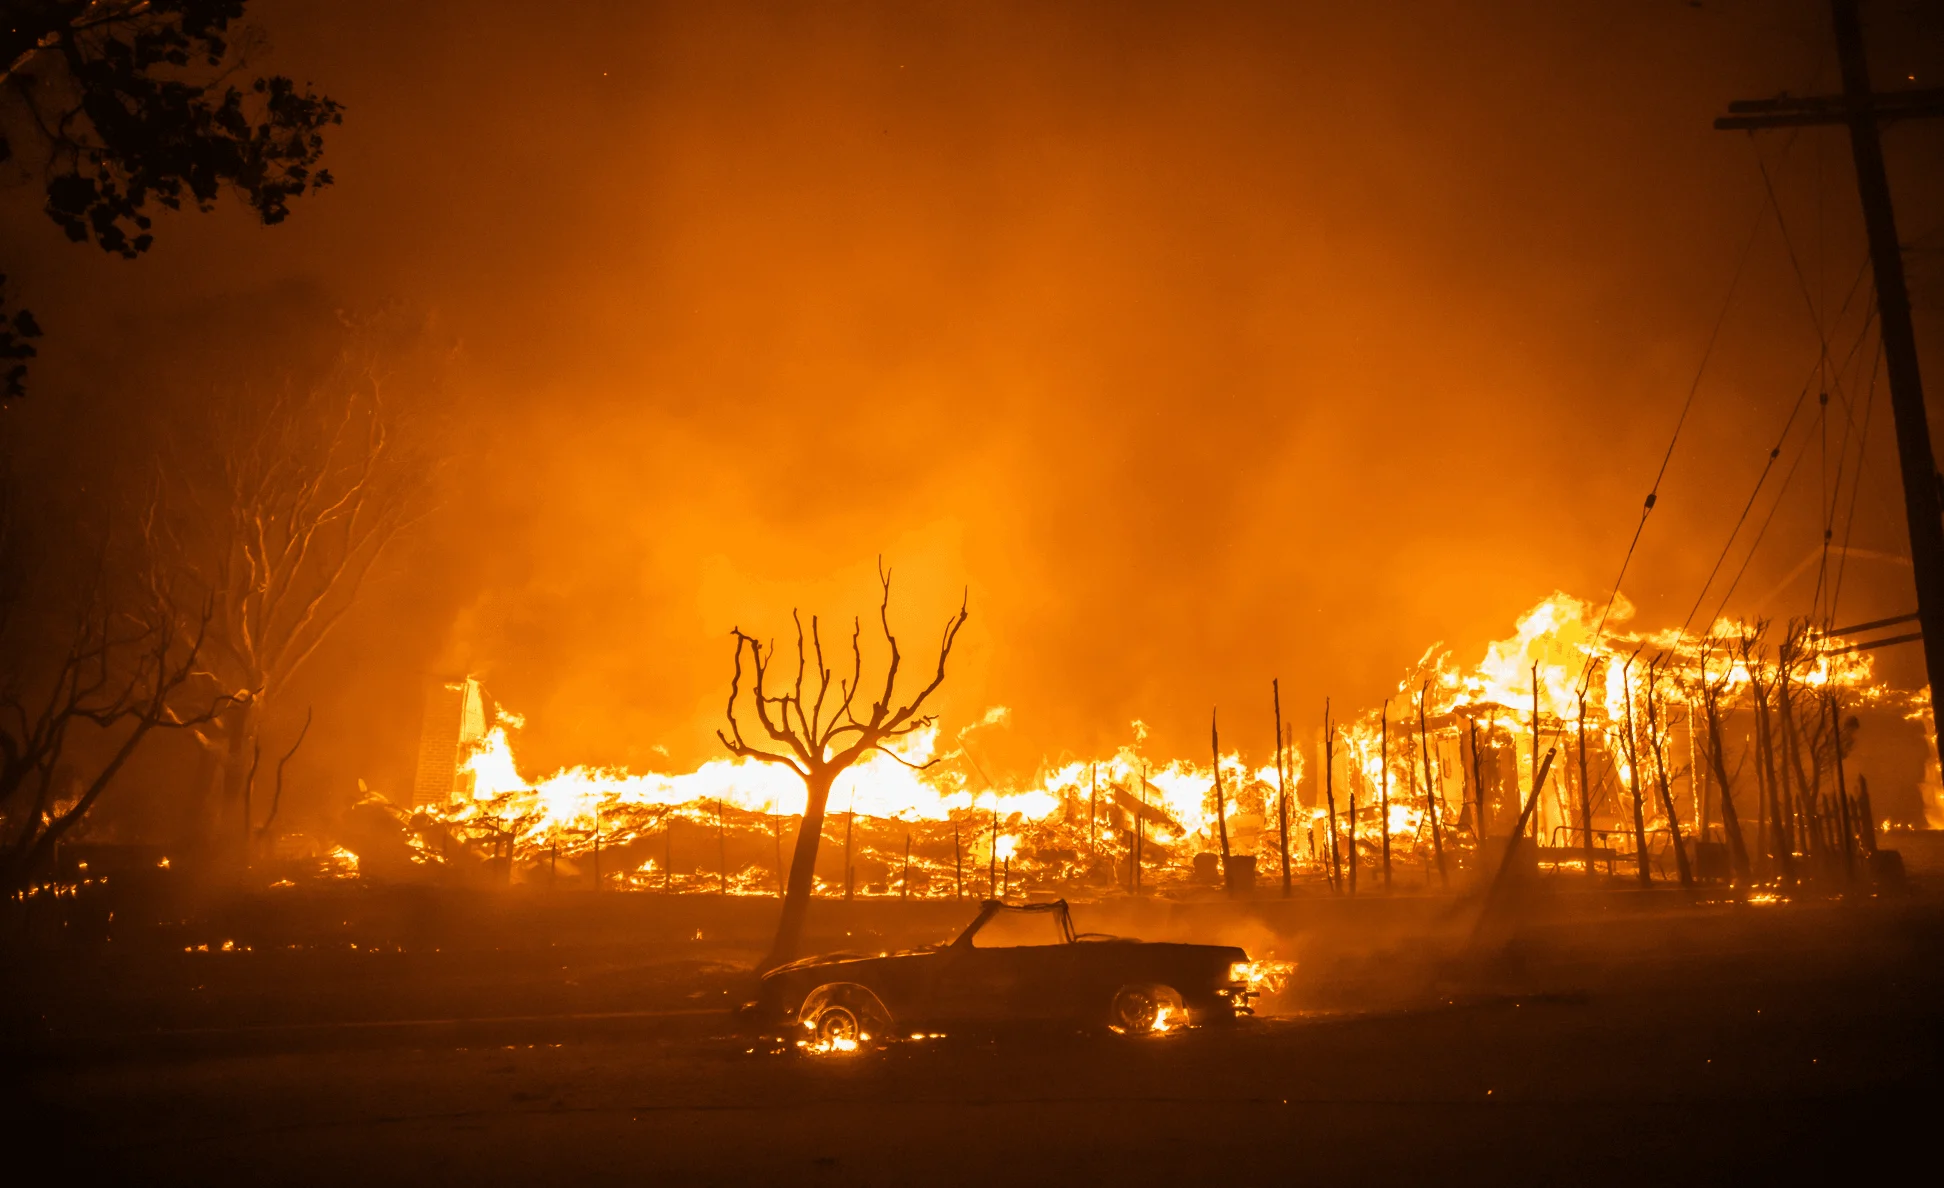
point(1081, 821)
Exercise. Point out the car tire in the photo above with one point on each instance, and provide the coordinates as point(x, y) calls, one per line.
point(1145, 1008)
point(843, 1017)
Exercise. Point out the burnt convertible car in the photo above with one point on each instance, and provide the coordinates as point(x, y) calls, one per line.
point(1012, 963)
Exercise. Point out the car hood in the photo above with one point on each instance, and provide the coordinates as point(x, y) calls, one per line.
point(824, 959)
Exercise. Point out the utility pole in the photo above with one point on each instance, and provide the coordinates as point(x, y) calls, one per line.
point(1864, 112)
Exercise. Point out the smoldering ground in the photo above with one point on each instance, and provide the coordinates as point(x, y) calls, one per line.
point(507, 1038)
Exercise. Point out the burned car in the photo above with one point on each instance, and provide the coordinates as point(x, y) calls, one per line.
point(1012, 963)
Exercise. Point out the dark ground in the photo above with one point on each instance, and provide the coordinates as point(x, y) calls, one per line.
point(474, 1038)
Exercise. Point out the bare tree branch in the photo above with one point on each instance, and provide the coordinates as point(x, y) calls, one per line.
point(814, 739)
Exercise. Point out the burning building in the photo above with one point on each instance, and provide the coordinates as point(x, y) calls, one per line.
point(1648, 749)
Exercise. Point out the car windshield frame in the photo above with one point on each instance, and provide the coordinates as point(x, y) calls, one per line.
point(991, 909)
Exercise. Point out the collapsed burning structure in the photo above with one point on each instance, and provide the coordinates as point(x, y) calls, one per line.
point(1755, 752)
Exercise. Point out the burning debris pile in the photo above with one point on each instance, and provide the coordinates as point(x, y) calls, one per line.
point(1647, 732)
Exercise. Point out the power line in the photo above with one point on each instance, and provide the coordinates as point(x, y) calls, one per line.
point(1856, 484)
point(1653, 492)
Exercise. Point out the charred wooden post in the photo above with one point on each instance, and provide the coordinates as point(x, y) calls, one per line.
point(992, 859)
point(1657, 739)
point(1430, 789)
point(1477, 781)
point(597, 847)
point(1535, 739)
point(722, 849)
point(1352, 829)
point(1646, 873)
point(1093, 806)
point(1585, 788)
point(1513, 842)
point(1221, 809)
point(1140, 827)
point(904, 880)
point(958, 863)
point(776, 832)
point(1282, 787)
point(1329, 794)
point(668, 855)
point(1383, 804)
point(850, 818)
point(1866, 817)
point(1842, 786)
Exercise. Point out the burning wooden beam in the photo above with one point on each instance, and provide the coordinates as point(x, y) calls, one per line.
point(1282, 787)
point(1221, 809)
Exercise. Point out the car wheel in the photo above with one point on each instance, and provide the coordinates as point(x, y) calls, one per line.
point(1144, 1008)
point(838, 1027)
point(843, 1017)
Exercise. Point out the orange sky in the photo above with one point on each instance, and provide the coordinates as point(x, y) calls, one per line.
point(1204, 343)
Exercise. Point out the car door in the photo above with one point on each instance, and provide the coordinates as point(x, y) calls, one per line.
point(1006, 967)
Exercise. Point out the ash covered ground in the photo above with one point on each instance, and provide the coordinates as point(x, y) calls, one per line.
point(410, 1035)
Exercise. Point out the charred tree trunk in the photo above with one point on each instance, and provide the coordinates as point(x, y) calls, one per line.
point(803, 870)
point(1657, 739)
point(816, 746)
point(1646, 874)
point(1430, 790)
point(237, 737)
point(1730, 819)
point(1795, 785)
point(1777, 839)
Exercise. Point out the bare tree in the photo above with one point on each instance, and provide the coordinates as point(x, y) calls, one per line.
point(1712, 690)
point(820, 734)
point(1774, 834)
point(278, 515)
point(1658, 726)
point(66, 736)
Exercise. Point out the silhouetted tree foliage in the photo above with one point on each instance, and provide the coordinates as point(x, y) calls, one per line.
point(129, 102)
point(15, 329)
